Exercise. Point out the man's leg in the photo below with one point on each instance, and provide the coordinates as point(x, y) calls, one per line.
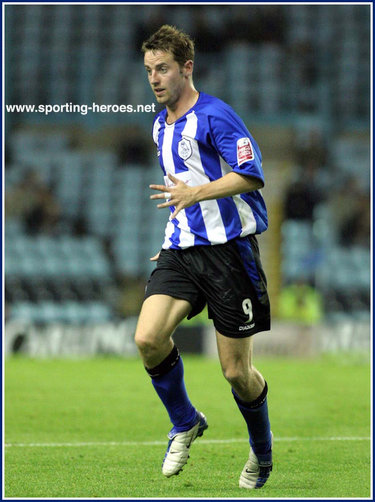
point(250, 393)
point(159, 317)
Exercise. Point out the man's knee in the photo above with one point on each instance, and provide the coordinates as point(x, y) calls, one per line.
point(159, 316)
point(237, 376)
point(149, 336)
point(153, 345)
point(146, 341)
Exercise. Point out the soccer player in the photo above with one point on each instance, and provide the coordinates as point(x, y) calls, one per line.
point(212, 179)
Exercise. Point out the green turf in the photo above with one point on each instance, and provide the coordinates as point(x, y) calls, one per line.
point(112, 400)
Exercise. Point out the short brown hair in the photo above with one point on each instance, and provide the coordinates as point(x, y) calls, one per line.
point(171, 39)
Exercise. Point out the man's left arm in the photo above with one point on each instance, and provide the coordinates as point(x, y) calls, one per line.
point(182, 195)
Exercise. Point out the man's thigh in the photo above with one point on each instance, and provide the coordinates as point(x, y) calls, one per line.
point(234, 351)
point(235, 356)
point(172, 277)
point(160, 315)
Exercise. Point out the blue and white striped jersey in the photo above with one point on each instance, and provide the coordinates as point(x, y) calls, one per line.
point(206, 143)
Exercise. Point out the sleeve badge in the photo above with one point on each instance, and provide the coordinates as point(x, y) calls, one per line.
point(244, 151)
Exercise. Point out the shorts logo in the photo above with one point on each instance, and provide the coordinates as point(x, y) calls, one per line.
point(184, 149)
point(245, 328)
point(244, 151)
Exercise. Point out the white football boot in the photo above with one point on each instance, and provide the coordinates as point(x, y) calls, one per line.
point(256, 472)
point(177, 453)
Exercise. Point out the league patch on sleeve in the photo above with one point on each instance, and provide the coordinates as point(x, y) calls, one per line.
point(244, 151)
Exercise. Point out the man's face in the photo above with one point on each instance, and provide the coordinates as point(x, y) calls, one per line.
point(166, 77)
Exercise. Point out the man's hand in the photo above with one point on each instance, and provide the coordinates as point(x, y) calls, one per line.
point(180, 195)
point(156, 257)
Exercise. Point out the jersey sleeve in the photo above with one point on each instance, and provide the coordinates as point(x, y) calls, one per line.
point(234, 143)
point(155, 129)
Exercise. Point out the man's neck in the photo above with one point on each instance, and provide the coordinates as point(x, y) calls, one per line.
point(183, 105)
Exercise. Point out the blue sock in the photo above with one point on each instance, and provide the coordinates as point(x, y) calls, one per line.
point(255, 414)
point(168, 381)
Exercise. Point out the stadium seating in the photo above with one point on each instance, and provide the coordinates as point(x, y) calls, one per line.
point(271, 67)
point(63, 276)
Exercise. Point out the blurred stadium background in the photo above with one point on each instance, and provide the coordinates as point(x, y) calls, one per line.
point(79, 225)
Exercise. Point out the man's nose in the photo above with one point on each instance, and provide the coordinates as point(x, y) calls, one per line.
point(154, 77)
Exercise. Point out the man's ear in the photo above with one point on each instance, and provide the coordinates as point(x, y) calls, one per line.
point(188, 67)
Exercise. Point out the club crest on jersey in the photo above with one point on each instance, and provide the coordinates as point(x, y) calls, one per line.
point(184, 149)
point(244, 151)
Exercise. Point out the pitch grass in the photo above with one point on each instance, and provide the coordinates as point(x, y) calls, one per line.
point(112, 400)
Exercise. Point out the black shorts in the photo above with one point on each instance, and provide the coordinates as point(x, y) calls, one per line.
point(227, 277)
